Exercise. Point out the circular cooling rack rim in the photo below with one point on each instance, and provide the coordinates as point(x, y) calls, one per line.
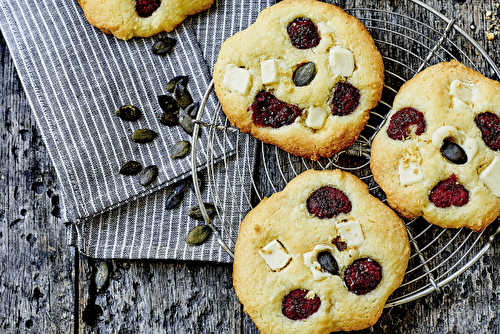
point(435, 283)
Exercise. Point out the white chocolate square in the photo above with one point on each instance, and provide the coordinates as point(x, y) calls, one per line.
point(410, 173)
point(351, 233)
point(491, 176)
point(269, 71)
point(275, 255)
point(316, 117)
point(341, 61)
point(237, 79)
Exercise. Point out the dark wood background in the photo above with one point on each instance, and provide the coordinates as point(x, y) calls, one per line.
point(48, 287)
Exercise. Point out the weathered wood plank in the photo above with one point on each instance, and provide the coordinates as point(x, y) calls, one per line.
point(36, 265)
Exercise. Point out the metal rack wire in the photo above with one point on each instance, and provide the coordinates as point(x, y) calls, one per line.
point(408, 46)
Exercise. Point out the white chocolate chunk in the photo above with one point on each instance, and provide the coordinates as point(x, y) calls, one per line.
point(269, 71)
point(275, 255)
point(443, 132)
point(311, 261)
point(410, 173)
point(462, 91)
point(470, 147)
point(491, 176)
point(341, 61)
point(236, 79)
point(316, 117)
point(351, 233)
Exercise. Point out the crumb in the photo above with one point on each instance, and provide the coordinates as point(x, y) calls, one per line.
point(490, 36)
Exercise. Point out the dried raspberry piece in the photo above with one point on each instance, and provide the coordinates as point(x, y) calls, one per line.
point(327, 202)
point(267, 111)
point(341, 245)
point(145, 8)
point(345, 99)
point(449, 192)
point(362, 276)
point(297, 306)
point(303, 33)
point(402, 120)
point(489, 124)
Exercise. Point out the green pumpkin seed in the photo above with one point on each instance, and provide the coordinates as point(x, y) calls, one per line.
point(148, 175)
point(179, 186)
point(130, 168)
point(304, 74)
point(172, 201)
point(168, 104)
point(195, 211)
point(198, 235)
point(182, 96)
point(164, 46)
point(143, 136)
point(192, 109)
point(186, 123)
point(128, 113)
point(181, 80)
point(180, 149)
point(168, 119)
point(101, 275)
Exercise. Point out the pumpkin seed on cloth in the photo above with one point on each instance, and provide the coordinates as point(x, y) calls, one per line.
point(168, 119)
point(148, 175)
point(180, 149)
point(195, 211)
point(186, 123)
point(198, 235)
point(164, 46)
point(128, 113)
point(181, 80)
point(143, 136)
point(173, 201)
point(130, 168)
point(168, 104)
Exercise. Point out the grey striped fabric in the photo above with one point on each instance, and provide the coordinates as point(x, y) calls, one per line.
point(75, 77)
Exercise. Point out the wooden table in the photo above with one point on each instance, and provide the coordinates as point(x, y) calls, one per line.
point(48, 287)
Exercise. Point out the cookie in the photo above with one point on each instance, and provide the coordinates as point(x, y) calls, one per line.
point(139, 18)
point(303, 77)
point(438, 154)
point(322, 255)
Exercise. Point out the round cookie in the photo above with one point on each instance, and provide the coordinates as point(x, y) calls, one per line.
point(438, 154)
point(139, 18)
point(322, 255)
point(303, 77)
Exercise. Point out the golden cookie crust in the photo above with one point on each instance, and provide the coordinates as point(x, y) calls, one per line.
point(284, 217)
point(118, 17)
point(429, 92)
point(266, 39)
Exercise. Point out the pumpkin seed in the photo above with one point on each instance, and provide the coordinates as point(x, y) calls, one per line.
point(182, 96)
point(198, 235)
point(101, 275)
point(304, 74)
point(181, 80)
point(192, 109)
point(328, 263)
point(164, 46)
point(172, 201)
point(179, 186)
point(180, 149)
point(201, 182)
point(128, 113)
point(168, 104)
point(148, 175)
point(186, 123)
point(130, 168)
point(195, 211)
point(143, 136)
point(168, 119)
point(453, 152)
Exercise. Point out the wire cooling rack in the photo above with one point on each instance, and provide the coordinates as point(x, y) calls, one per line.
point(408, 44)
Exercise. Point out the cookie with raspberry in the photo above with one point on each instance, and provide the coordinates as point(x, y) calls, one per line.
point(303, 77)
point(322, 255)
point(139, 18)
point(438, 154)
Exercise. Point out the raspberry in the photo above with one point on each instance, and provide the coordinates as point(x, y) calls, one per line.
point(402, 120)
point(449, 192)
point(297, 306)
point(303, 33)
point(145, 8)
point(362, 276)
point(268, 111)
point(345, 99)
point(489, 124)
point(327, 202)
